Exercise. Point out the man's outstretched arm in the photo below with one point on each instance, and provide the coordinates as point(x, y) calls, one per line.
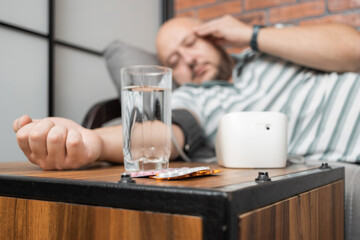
point(112, 141)
point(327, 47)
point(58, 143)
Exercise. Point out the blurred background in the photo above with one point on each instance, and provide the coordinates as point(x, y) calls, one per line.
point(270, 12)
point(51, 60)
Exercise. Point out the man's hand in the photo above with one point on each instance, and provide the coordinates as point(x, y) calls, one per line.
point(226, 30)
point(57, 143)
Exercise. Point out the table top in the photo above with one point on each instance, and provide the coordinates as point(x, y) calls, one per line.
point(219, 199)
point(98, 184)
point(103, 172)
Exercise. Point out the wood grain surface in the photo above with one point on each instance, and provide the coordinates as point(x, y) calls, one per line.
point(42, 220)
point(108, 173)
point(315, 215)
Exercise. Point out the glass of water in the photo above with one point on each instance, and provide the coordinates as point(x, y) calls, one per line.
point(146, 117)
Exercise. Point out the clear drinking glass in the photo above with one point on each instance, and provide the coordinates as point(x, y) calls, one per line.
point(146, 117)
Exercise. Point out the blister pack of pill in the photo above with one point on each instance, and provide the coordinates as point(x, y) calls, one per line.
point(185, 173)
point(149, 173)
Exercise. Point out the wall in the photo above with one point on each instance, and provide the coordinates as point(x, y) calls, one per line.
point(269, 12)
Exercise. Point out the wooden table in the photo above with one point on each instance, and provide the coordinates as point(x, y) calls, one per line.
point(300, 202)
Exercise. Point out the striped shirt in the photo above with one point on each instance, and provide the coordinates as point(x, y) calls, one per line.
point(323, 108)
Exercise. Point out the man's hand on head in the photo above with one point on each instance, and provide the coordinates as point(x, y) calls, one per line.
point(57, 143)
point(226, 30)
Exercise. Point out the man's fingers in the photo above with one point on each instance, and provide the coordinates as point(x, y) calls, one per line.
point(56, 139)
point(75, 149)
point(212, 34)
point(15, 125)
point(204, 30)
point(22, 137)
point(37, 138)
point(20, 122)
point(214, 39)
point(208, 28)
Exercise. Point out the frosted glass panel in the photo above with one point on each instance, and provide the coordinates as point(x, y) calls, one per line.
point(95, 23)
point(23, 85)
point(30, 14)
point(81, 80)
